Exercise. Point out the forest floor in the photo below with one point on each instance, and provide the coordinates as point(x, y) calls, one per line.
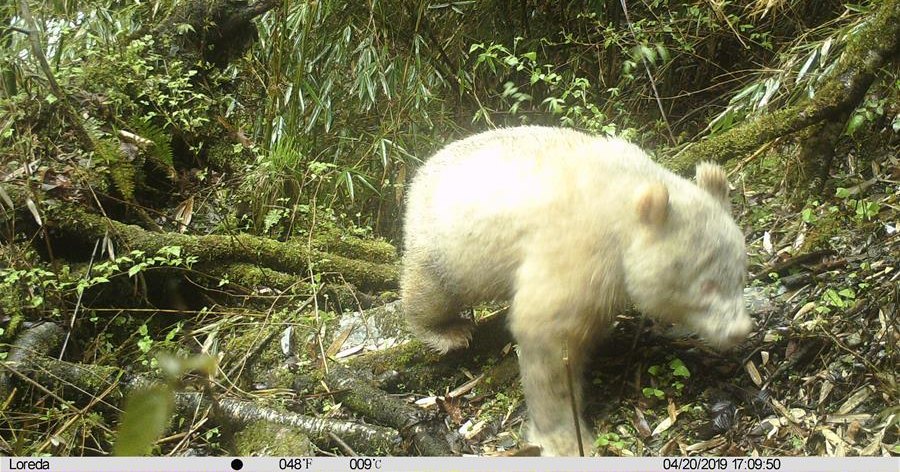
point(818, 375)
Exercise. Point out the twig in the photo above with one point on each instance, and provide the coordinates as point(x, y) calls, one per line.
point(575, 416)
point(37, 50)
point(87, 277)
point(340, 442)
point(662, 112)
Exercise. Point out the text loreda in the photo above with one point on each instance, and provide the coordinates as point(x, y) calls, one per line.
point(29, 464)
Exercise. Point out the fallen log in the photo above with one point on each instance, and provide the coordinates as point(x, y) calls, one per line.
point(84, 383)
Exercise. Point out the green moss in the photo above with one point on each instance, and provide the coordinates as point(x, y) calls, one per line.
point(329, 238)
point(820, 234)
point(291, 257)
point(262, 438)
point(865, 53)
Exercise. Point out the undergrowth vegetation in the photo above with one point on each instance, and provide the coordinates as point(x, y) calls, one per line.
point(295, 153)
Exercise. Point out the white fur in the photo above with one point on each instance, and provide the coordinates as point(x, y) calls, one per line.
point(572, 229)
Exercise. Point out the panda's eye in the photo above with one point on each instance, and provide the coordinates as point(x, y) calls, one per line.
point(709, 287)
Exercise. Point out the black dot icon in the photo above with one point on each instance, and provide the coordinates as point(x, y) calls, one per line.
point(237, 464)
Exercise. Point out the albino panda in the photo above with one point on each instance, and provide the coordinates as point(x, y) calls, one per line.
point(572, 229)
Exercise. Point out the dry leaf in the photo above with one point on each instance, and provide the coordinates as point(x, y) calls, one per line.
point(349, 352)
point(827, 386)
point(874, 445)
point(339, 340)
point(34, 211)
point(108, 245)
point(846, 419)
point(451, 407)
point(640, 423)
point(790, 349)
point(663, 425)
point(835, 440)
point(804, 310)
point(783, 411)
point(184, 213)
point(464, 388)
point(855, 400)
point(853, 431)
point(672, 410)
point(668, 448)
point(706, 445)
point(753, 373)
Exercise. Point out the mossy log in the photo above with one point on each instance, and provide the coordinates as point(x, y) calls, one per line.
point(261, 438)
point(69, 224)
point(248, 277)
point(876, 44)
point(36, 340)
point(420, 368)
point(371, 402)
point(106, 387)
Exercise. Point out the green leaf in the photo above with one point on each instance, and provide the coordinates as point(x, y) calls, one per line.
point(832, 298)
point(662, 51)
point(855, 122)
point(172, 251)
point(145, 344)
point(807, 215)
point(842, 192)
point(147, 413)
point(679, 369)
point(133, 270)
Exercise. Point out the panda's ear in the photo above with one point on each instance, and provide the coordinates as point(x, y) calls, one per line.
point(653, 204)
point(711, 177)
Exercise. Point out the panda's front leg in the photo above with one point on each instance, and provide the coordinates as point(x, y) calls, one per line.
point(549, 341)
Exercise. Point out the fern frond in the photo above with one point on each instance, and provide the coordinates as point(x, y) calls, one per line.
point(121, 172)
point(160, 151)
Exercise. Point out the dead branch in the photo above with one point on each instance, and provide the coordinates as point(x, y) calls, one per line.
point(37, 340)
point(371, 402)
point(82, 382)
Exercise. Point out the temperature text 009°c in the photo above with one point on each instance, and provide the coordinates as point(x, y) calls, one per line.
point(365, 463)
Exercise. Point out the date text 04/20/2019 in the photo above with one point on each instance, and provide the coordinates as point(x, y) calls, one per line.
point(721, 463)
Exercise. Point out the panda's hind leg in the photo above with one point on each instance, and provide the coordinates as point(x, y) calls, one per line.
point(433, 312)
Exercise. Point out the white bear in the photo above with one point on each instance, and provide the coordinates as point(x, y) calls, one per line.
point(571, 229)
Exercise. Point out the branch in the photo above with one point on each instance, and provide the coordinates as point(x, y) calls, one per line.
point(87, 380)
point(38, 52)
point(72, 223)
point(876, 44)
point(362, 397)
